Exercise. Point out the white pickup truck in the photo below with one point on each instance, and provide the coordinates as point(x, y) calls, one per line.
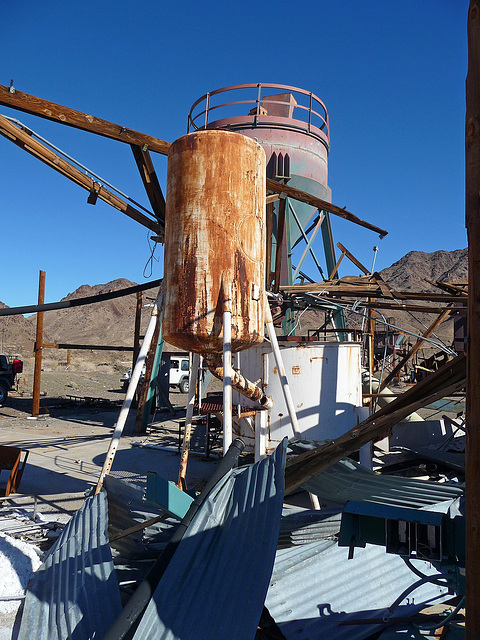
point(178, 377)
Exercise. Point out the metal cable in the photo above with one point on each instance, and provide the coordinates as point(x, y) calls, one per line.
point(440, 346)
point(76, 162)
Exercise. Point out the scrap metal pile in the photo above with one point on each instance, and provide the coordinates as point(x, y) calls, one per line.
point(383, 548)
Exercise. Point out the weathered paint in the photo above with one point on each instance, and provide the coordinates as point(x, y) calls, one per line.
point(325, 382)
point(214, 241)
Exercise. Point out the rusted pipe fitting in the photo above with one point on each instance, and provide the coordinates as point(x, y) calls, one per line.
point(241, 384)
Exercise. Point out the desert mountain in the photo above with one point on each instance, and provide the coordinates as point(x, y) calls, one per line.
point(411, 272)
point(112, 322)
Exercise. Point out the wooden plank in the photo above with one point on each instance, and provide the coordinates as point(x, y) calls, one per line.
point(472, 209)
point(323, 205)
point(51, 159)
point(136, 330)
point(365, 291)
point(335, 268)
point(269, 234)
point(139, 427)
point(150, 182)
point(352, 258)
point(280, 241)
point(384, 287)
point(79, 120)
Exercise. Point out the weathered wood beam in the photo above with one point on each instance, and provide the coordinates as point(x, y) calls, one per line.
point(472, 214)
point(72, 118)
point(279, 247)
point(150, 182)
point(323, 205)
point(352, 258)
point(393, 306)
point(26, 142)
point(336, 288)
point(449, 378)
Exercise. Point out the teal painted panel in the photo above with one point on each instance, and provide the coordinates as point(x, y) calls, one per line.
point(168, 496)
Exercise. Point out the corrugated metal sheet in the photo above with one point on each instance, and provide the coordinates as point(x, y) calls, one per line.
point(75, 593)
point(215, 585)
point(302, 526)
point(347, 480)
point(315, 588)
point(126, 508)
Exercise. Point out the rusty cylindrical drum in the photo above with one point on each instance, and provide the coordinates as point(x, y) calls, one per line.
point(214, 241)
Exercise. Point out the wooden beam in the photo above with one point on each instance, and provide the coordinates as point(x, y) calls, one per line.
point(352, 258)
point(139, 426)
point(472, 211)
point(72, 118)
point(25, 141)
point(323, 205)
point(136, 330)
point(416, 347)
point(337, 288)
point(150, 182)
point(279, 247)
point(394, 306)
point(269, 239)
point(332, 275)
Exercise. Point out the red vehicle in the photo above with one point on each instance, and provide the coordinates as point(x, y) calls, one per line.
point(9, 368)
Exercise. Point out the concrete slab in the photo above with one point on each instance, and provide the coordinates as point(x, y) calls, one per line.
point(67, 450)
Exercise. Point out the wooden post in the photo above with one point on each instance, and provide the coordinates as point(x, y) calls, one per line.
point(136, 335)
point(472, 217)
point(371, 350)
point(37, 374)
point(139, 422)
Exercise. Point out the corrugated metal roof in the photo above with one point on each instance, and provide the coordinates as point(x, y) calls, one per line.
point(126, 508)
point(75, 593)
point(347, 480)
point(315, 588)
point(215, 585)
point(301, 526)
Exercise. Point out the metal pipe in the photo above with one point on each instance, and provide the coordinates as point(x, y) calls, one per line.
point(281, 371)
point(227, 380)
point(239, 382)
point(134, 380)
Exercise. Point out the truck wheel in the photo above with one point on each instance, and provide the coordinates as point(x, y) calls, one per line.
point(184, 386)
point(4, 392)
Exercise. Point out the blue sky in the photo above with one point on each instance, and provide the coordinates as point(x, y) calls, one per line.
point(392, 76)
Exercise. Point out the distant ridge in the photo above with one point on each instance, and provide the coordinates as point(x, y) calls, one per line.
point(112, 322)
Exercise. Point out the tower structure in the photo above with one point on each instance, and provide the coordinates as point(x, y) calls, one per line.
point(292, 126)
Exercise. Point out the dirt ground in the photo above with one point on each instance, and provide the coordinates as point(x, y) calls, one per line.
point(68, 442)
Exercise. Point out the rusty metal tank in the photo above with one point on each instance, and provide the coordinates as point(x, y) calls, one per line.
point(214, 241)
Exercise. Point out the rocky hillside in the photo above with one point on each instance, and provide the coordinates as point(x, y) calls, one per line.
point(112, 322)
point(411, 272)
point(103, 323)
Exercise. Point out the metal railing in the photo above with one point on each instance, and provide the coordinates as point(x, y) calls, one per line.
point(310, 117)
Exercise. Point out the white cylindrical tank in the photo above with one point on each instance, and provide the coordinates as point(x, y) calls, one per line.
point(325, 383)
